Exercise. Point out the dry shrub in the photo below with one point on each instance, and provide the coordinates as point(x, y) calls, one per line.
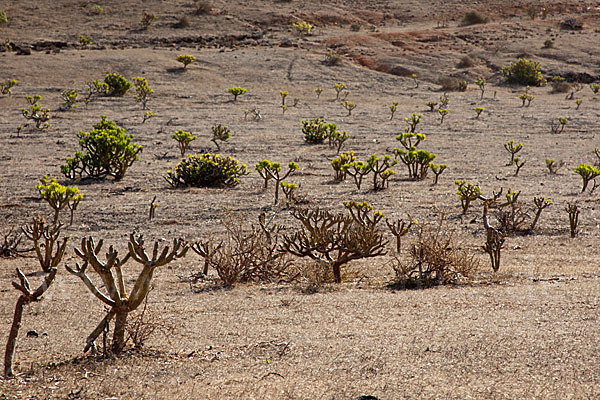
point(466, 62)
point(246, 254)
point(9, 246)
point(435, 258)
point(203, 7)
point(332, 59)
point(183, 22)
point(450, 84)
point(145, 323)
point(475, 17)
point(560, 86)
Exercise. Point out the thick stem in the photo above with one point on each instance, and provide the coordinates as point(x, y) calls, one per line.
point(11, 344)
point(119, 334)
point(337, 273)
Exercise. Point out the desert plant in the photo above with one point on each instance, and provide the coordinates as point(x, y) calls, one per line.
point(284, 108)
point(575, 88)
point(29, 296)
point(183, 139)
point(513, 149)
point(117, 85)
point(40, 116)
point(106, 151)
point(203, 7)
point(597, 153)
point(318, 92)
point(95, 88)
point(85, 41)
point(339, 88)
point(443, 112)
point(69, 97)
point(338, 162)
point(3, 18)
point(357, 170)
point(417, 161)
point(185, 59)
point(549, 43)
point(393, 107)
point(511, 214)
point(494, 238)
point(142, 90)
point(435, 258)
point(475, 17)
point(578, 103)
point(481, 84)
point(381, 168)
point(467, 192)
point(524, 72)
point(237, 91)
point(7, 85)
point(289, 190)
point(431, 105)
point(572, 210)
point(399, 228)
point(220, 133)
point(553, 166)
point(478, 111)
point(302, 27)
point(540, 203)
point(587, 173)
point(559, 125)
point(147, 19)
point(526, 97)
point(519, 164)
point(336, 138)
point(559, 85)
point(444, 100)
point(48, 247)
point(245, 255)
point(332, 58)
point(335, 239)
point(451, 84)
point(97, 9)
point(272, 170)
point(348, 106)
point(572, 24)
point(595, 88)
point(283, 94)
point(9, 247)
point(315, 130)
point(59, 197)
point(412, 122)
point(206, 170)
point(147, 115)
point(120, 302)
point(437, 171)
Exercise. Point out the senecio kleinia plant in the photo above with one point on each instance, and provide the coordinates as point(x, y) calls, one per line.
point(587, 173)
point(117, 85)
point(206, 170)
point(272, 170)
point(524, 72)
point(302, 27)
point(36, 113)
point(393, 107)
point(381, 168)
point(348, 106)
point(478, 111)
point(339, 88)
point(7, 85)
point(338, 162)
point(185, 59)
point(467, 192)
point(106, 151)
point(236, 91)
point(58, 196)
point(142, 90)
point(481, 83)
point(220, 133)
point(183, 139)
point(315, 130)
point(69, 97)
point(559, 125)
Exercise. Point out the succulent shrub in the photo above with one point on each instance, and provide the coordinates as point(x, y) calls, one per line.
point(443, 112)
point(315, 130)
point(381, 168)
point(559, 125)
point(339, 88)
point(117, 84)
point(481, 84)
point(513, 149)
point(318, 92)
point(85, 41)
point(519, 164)
point(59, 197)
point(143, 92)
point(336, 138)
point(451, 84)
point(105, 151)
point(357, 170)
point(332, 58)
point(147, 19)
point(338, 162)
point(302, 27)
point(183, 139)
point(40, 116)
point(185, 59)
point(283, 94)
point(467, 192)
point(478, 111)
point(393, 107)
point(431, 105)
point(95, 88)
point(526, 98)
point(147, 116)
point(413, 121)
point(272, 170)
point(578, 103)
point(587, 173)
point(69, 97)
point(3, 17)
point(7, 85)
point(524, 72)
point(236, 91)
point(220, 133)
point(348, 106)
point(595, 88)
point(553, 166)
point(206, 170)
point(437, 170)
point(573, 211)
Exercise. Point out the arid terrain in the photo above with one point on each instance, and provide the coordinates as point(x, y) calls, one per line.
point(528, 331)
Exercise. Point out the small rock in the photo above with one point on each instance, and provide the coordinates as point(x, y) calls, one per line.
point(32, 333)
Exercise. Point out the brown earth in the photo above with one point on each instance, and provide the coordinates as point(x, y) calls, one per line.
point(529, 331)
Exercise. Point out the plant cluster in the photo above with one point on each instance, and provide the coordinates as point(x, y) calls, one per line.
point(338, 163)
point(272, 170)
point(117, 85)
point(105, 151)
point(206, 170)
point(59, 197)
point(95, 88)
point(39, 115)
point(69, 97)
point(524, 72)
point(302, 27)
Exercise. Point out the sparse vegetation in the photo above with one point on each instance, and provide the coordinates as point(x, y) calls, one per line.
point(7, 85)
point(272, 170)
point(558, 125)
point(59, 197)
point(467, 192)
point(524, 72)
point(220, 133)
point(393, 107)
point(553, 166)
point(513, 149)
point(587, 173)
point(147, 19)
point(572, 210)
point(302, 27)
point(478, 111)
point(206, 170)
point(69, 97)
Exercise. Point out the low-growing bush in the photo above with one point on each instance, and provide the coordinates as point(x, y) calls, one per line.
point(59, 197)
point(183, 139)
point(315, 130)
point(7, 85)
point(237, 91)
point(3, 17)
point(185, 59)
point(106, 151)
point(206, 170)
point(117, 84)
point(474, 17)
point(142, 90)
point(39, 115)
point(453, 84)
point(524, 72)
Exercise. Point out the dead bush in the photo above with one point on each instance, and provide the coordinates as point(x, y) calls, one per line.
point(246, 254)
point(9, 246)
point(203, 7)
point(474, 17)
point(571, 24)
point(144, 324)
point(450, 84)
point(183, 22)
point(435, 258)
point(466, 62)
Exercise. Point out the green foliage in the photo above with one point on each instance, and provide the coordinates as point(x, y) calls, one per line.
point(524, 72)
point(393, 107)
point(578, 103)
point(185, 59)
point(302, 27)
point(348, 106)
point(142, 90)
point(69, 97)
point(481, 83)
point(95, 88)
point(443, 112)
point(206, 170)
point(117, 85)
point(3, 17)
point(513, 149)
point(220, 133)
point(413, 121)
point(272, 170)
point(236, 91)
point(336, 138)
point(357, 170)
point(595, 88)
point(479, 110)
point(97, 9)
point(553, 166)
point(417, 161)
point(7, 85)
point(559, 125)
point(381, 168)
point(526, 97)
point(315, 130)
point(318, 91)
point(106, 151)
point(283, 94)
point(338, 162)
point(183, 139)
point(339, 88)
point(467, 192)
point(36, 113)
point(437, 170)
point(59, 196)
point(519, 164)
point(587, 173)
point(85, 41)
